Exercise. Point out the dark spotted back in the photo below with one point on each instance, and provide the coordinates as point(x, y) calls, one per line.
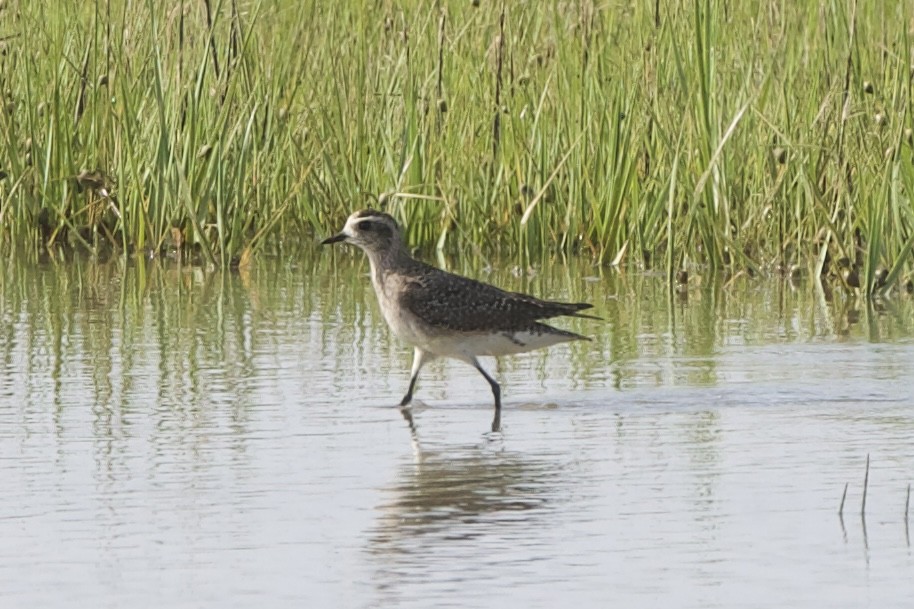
point(461, 304)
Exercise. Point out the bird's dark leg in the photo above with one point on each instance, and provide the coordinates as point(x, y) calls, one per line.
point(496, 391)
point(409, 392)
point(420, 358)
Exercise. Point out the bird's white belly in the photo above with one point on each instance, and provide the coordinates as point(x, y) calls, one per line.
point(462, 345)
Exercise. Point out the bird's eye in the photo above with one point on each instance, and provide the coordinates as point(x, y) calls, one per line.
point(366, 226)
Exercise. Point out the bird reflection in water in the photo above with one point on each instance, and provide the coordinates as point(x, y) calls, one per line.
point(454, 493)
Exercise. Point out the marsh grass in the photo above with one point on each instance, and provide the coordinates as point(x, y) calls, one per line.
point(703, 134)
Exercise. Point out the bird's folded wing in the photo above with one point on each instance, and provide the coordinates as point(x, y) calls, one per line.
point(461, 304)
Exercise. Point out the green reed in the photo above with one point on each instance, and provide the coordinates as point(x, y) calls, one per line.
point(706, 134)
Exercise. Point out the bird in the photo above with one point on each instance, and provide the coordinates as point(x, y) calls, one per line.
point(442, 314)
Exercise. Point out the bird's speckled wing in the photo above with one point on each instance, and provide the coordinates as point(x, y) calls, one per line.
point(461, 304)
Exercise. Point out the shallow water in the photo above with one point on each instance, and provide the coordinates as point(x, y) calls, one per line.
point(181, 439)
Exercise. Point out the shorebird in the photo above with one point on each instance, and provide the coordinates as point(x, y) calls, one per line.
point(446, 315)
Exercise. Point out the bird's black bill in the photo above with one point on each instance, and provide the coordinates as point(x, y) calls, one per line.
point(334, 239)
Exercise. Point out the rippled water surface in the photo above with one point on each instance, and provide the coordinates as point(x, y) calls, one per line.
point(174, 438)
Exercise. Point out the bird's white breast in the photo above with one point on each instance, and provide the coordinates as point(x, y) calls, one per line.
point(403, 323)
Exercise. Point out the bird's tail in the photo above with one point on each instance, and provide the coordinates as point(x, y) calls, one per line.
point(574, 309)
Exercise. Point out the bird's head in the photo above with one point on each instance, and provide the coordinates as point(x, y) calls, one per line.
point(373, 231)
